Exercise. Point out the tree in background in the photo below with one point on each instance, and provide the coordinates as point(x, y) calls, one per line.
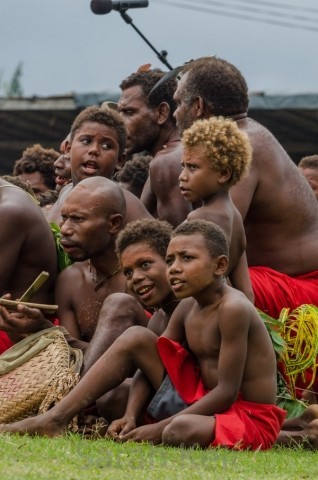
point(14, 87)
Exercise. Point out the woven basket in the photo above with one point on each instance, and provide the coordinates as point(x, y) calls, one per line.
point(42, 380)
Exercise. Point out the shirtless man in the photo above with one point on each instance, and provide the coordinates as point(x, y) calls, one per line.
point(278, 206)
point(96, 146)
point(92, 215)
point(27, 248)
point(151, 127)
point(230, 366)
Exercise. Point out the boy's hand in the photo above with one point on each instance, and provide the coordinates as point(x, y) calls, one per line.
point(147, 433)
point(121, 427)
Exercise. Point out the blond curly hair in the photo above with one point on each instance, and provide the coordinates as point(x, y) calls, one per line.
point(225, 145)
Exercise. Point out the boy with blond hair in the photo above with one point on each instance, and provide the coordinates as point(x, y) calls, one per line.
point(216, 156)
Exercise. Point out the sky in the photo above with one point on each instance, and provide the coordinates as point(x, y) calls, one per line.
point(66, 48)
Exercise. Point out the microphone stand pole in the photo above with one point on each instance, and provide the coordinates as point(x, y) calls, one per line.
point(161, 55)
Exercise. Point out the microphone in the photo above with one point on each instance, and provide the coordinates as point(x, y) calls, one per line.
point(101, 7)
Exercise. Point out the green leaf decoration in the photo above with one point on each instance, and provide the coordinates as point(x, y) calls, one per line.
point(62, 257)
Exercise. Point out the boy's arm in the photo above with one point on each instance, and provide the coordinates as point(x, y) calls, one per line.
point(175, 328)
point(63, 298)
point(148, 198)
point(240, 278)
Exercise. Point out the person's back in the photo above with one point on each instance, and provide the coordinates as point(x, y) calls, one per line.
point(216, 156)
point(279, 208)
point(27, 245)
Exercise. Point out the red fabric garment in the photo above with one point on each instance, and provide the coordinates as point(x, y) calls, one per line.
point(182, 370)
point(274, 290)
point(248, 425)
point(5, 342)
point(245, 425)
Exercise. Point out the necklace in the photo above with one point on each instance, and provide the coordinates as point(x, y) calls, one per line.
point(163, 307)
point(168, 143)
point(102, 282)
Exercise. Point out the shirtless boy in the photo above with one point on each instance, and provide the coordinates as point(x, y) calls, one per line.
point(96, 147)
point(230, 345)
point(216, 155)
point(141, 249)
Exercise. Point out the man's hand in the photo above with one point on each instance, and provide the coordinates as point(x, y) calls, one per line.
point(24, 321)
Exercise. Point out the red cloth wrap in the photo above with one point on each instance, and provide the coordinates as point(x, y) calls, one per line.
point(182, 370)
point(274, 291)
point(5, 342)
point(248, 425)
point(245, 425)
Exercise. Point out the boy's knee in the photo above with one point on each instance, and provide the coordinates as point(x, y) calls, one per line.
point(176, 433)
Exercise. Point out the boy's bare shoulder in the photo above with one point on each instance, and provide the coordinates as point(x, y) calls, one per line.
point(236, 308)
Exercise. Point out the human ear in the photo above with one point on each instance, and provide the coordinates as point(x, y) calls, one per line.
point(163, 113)
point(225, 174)
point(67, 147)
point(115, 223)
point(222, 263)
point(199, 107)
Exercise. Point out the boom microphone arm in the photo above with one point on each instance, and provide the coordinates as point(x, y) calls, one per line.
point(161, 55)
point(105, 6)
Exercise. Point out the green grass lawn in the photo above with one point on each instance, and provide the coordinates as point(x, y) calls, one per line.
point(74, 458)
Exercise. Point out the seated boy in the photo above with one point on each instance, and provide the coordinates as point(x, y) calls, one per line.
point(141, 248)
point(230, 388)
point(216, 155)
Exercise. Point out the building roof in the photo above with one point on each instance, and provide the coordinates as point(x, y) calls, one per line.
point(293, 119)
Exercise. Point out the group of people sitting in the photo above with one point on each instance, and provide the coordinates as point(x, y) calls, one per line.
point(164, 285)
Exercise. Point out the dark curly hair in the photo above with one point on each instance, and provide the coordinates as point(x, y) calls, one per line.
point(147, 80)
point(38, 159)
point(220, 84)
point(213, 235)
point(135, 172)
point(104, 116)
point(156, 233)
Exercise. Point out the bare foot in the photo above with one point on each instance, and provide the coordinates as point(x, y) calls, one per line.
point(309, 397)
point(301, 422)
point(311, 432)
point(43, 425)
